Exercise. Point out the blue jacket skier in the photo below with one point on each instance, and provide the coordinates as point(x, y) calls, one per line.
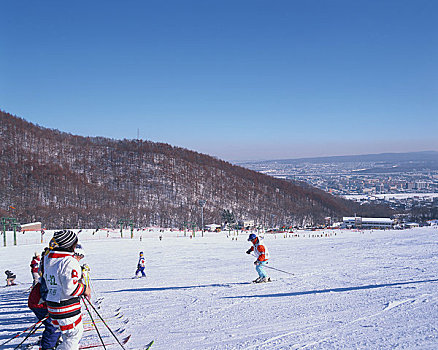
point(140, 266)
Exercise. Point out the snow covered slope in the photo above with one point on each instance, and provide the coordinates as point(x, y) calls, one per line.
point(352, 290)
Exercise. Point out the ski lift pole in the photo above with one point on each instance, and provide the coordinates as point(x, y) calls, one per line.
point(121, 222)
point(4, 231)
point(131, 223)
point(14, 225)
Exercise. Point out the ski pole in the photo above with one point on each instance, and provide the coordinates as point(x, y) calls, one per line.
point(36, 326)
point(273, 268)
point(87, 277)
point(92, 320)
point(22, 332)
point(117, 339)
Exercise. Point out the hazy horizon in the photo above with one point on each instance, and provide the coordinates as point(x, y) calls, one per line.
point(244, 160)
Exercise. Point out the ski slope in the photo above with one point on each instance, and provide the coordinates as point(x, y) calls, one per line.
point(352, 290)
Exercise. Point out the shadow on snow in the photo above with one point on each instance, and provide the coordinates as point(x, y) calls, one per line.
point(331, 290)
point(158, 289)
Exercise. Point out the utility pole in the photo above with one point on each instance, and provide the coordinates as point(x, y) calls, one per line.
point(131, 223)
point(4, 230)
point(121, 222)
point(14, 224)
point(201, 204)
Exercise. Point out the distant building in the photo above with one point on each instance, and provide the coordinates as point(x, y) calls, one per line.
point(33, 226)
point(411, 225)
point(421, 185)
point(410, 185)
point(367, 223)
point(212, 227)
point(247, 224)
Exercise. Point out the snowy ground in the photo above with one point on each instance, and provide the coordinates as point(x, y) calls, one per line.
point(355, 290)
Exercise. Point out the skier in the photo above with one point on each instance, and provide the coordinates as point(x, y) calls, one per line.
point(34, 265)
point(79, 255)
point(62, 274)
point(39, 308)
point(262, 254)
point(140, 266)
point(10, 278)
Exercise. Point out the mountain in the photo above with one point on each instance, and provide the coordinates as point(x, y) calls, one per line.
point(66, 180)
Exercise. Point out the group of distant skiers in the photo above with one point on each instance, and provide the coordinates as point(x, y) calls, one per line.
point(258, 248)
point(59, 283)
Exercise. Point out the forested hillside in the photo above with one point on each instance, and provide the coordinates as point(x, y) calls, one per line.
point(65, 180)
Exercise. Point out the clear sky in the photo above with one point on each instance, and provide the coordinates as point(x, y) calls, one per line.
point(240, 80)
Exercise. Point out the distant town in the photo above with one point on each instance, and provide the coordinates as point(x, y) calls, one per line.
point(402, 180)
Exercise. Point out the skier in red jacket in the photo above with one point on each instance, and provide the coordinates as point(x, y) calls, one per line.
point(262, 255)
point(34, 265)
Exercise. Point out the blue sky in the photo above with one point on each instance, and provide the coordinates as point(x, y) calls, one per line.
point(239, 80)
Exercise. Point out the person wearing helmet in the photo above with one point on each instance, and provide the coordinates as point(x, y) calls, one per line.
point(140, 266)
point(79, 252)
point(262, 255)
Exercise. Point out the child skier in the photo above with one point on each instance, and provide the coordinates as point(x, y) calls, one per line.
point(79, 255)
point(140, 266)
point(262, 254)
point(10, 278)
point(34, 265)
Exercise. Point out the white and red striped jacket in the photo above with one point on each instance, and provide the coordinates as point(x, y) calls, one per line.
point(62, 273)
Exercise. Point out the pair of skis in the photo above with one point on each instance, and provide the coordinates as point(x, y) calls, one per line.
point(259, 281)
